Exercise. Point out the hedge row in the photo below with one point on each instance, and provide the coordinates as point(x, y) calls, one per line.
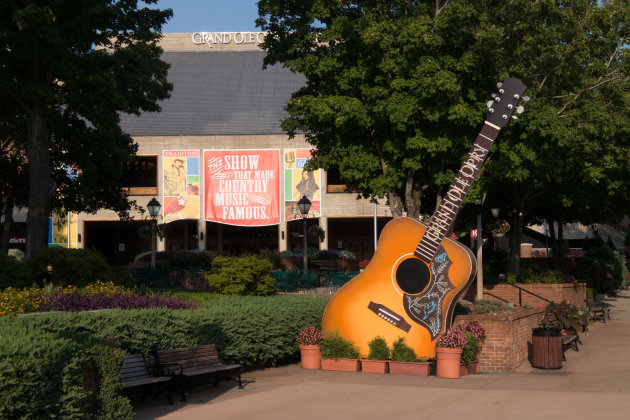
point(41, 354)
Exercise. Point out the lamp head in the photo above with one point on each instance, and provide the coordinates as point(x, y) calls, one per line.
point(304, 205)
point(154, 207)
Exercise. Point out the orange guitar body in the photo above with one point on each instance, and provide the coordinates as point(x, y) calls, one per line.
point(352, 312)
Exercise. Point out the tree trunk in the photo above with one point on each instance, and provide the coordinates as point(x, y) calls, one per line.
point(412, 196)
point(515, 244)
point(395, 204)
point(40, 179)
point(7, 207)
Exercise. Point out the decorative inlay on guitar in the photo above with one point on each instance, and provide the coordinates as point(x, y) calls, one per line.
point(417, 274)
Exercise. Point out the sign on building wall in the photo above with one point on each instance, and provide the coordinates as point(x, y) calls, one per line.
point(242, 187)
point(62, 229)
point(298, 182)
point(181, 184)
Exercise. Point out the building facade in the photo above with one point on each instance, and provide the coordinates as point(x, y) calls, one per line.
point(227, 177)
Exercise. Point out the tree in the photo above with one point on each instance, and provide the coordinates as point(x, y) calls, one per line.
point(71, 66)
point(568, 159)
point(394, 93)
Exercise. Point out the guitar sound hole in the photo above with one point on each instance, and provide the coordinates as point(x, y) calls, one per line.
point(412, 276)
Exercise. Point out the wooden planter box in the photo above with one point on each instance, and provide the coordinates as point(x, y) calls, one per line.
point(344, 365)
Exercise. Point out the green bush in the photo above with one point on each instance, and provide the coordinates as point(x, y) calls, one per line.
point(379, 350)
point(77, 267)
point(471, 349)
point(272, 256)
point(191, 261)
point(401, 352)
point(42, 375)
point(13, 273)
point(532, 273)
point(334, 346)
point(241, 276)
point(604, 267)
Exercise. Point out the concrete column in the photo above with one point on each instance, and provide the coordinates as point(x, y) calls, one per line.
point(201, 233)
point(282, 236)
point(323, 223)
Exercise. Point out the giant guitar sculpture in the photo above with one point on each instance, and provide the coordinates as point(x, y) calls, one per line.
point(418, 273)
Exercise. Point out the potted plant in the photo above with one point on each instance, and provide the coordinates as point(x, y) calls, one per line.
point(499, 228)
point(376, 361)
point(567, 317)
point(405, 361)
point(339, 353)
point(310, 354)
point(448, 351)
point(479, 333)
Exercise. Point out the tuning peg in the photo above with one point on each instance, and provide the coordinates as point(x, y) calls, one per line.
point(514, 117)
point(494, 95)
point(526, 98)
point(489, 104)
point(504, 116)
point(520, 109)
point(499, 85)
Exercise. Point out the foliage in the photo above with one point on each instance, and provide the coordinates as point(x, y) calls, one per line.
point(272, 256)
point(241, 276)
point(604, 267)
point(476, 329)
point(499, 226)
point(13, 273)
point(71, 299)
point(401, 352)
point(310, 336)
point(191, 261)
point(452, 338)
point(78, 267)
point(287, 253)
point(472, 347)
point(532, 273)
point(334, 346)
point(254, 331)
point(379, 350)
point(567, 316)
point(315, 232)
point(347, 255)
point(70, 68)
point(42, 374)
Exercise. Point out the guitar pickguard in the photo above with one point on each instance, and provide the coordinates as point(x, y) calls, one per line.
point(426, 308)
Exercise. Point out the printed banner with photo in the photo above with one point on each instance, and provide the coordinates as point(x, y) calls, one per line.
point(298, 182)
point(242, 187)
point(62, 229)
point(181, 185)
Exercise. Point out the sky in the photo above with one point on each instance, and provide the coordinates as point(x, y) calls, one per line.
point(210, 15)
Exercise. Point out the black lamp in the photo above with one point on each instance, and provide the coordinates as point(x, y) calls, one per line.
point(304, 205)
point(154, 208)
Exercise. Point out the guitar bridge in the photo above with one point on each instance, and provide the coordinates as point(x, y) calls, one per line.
point(389, 316)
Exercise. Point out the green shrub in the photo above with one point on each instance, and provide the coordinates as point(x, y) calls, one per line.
point(532, 273)
point(334, 346)
point(191, 261)
point(379, 350)
point(401, 352)
point(604, 267)
point(272, 256)
point(77, 267)
point(42, 375)
point(241, 276)
point(13, 273)
point(471, 349)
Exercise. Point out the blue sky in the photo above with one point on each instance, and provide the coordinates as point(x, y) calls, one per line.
point(210, 15)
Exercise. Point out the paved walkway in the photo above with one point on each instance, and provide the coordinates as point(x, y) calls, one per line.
point(594, 383)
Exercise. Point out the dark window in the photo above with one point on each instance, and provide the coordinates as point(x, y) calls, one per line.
point(140, 175)
point(334, 184)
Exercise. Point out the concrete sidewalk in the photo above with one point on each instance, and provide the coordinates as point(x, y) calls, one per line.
point(593, 383)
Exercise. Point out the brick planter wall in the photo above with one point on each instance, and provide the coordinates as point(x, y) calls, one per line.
point(572, 293)
point(508, 338)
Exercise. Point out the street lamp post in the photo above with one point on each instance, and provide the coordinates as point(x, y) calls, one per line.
point(304, 205)
point(154, 209)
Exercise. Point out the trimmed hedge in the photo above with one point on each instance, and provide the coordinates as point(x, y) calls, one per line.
point(244, 276)
point(42, 375)
point(42, 355)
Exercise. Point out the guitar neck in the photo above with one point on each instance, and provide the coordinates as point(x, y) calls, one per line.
point(443, 220)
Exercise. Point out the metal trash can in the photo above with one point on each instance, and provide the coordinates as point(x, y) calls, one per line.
point(547, 348)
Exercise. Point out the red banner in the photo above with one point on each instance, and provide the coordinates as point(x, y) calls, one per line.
point(242, 187)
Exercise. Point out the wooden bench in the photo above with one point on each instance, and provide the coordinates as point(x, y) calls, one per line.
point(187, 362)
point(598, 312)
point(570, 341)
point(134, 373)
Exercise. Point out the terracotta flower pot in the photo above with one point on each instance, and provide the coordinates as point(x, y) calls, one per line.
point(463, 369)
point(310, 356)
point(409, 368)
point(374, 366)
point(448, 362)
point(344, 365)
point(473, 367)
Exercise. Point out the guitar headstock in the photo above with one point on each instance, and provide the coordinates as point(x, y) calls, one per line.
point(505, 102)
